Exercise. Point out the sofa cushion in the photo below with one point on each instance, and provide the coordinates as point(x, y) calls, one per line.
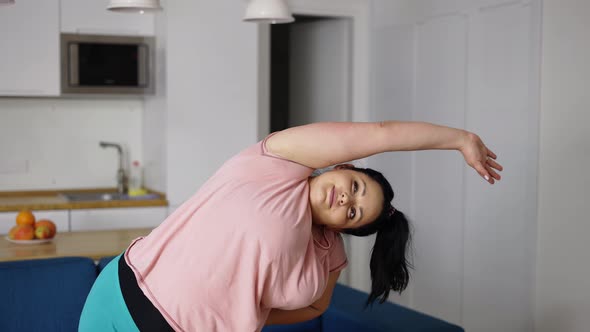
point(313, 325)
point(334, 320)
point(104, 262)
point(44, 294)
point(348, 302)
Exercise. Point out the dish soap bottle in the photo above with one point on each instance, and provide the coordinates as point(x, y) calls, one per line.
point(136, 180)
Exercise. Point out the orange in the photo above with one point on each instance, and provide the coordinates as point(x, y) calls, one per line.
point(47, 223)
point(25, 217)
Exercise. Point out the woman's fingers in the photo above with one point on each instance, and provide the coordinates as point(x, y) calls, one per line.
point(494, 164)
point(493, 173)
point(491, 154)
point(488, 173)
point(484, 172)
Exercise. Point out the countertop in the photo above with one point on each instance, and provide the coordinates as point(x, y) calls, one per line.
point(54, 200)
point(91, 244)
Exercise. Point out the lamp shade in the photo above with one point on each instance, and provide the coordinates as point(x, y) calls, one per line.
point(134, 6)
point(268, 11)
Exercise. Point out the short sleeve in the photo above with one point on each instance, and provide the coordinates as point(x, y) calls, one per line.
point(338, 260)
point(268, 153)
point(264, 148)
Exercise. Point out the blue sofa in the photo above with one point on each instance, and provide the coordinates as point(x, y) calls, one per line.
point(48, 295)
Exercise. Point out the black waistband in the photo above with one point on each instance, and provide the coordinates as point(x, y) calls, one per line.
point(143, 312)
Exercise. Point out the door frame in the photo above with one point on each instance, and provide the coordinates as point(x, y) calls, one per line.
point(358, 12)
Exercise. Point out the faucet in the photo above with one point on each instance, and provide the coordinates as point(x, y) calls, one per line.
point(122, 179)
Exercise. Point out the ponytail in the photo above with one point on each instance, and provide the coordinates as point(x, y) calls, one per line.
point(389, 265)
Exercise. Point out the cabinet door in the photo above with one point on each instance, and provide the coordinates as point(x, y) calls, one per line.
point(92, 16)
point(59, 217)
point(120, 218)
point(29, 48)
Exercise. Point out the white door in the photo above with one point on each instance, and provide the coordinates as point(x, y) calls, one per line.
point(473, 244)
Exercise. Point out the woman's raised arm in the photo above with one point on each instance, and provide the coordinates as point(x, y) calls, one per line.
point(319, 145)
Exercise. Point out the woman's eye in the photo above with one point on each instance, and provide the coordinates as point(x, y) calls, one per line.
point(355, 187)
point(351, 213)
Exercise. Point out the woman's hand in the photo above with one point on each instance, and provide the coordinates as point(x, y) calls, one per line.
point(482, 159)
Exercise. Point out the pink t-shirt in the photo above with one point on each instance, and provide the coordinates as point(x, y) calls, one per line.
point(243, 244)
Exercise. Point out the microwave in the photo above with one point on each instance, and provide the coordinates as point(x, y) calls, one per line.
point(93, 64)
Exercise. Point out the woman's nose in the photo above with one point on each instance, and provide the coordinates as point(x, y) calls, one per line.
point(343, 199)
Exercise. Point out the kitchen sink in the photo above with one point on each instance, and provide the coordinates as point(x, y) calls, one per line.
point(94, 196)
point(105, 196)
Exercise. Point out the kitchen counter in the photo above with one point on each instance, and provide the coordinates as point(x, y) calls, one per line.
point(91, 244)
point(54, 200)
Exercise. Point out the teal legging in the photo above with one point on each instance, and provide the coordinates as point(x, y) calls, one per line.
point(105, 309)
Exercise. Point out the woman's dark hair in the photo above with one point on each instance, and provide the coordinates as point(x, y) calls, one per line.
point(389, 265)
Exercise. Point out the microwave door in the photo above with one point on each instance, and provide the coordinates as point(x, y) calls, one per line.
point(108, 65)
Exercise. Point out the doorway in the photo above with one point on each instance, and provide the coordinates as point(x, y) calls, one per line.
point(310, 71)
point(357, 14)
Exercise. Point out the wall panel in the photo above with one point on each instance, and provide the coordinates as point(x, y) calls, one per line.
point(497, 280)
point(440, 94)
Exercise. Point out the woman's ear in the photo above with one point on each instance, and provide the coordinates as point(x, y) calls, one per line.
point(344, 166)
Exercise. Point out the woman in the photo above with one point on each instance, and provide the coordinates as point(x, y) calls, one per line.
point(260, 243)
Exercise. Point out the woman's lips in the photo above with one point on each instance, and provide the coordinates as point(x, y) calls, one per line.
point(331, 197)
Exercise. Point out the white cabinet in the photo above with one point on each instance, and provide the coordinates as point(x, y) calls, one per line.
point(92, 16)
point(29, 48)
point(103, 219)
point(59, 217)
point(29, 39)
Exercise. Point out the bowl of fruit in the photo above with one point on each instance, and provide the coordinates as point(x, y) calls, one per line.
point(28, 230)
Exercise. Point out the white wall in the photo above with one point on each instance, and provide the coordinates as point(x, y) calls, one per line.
point(473, 65)
point(391, 98)
point(211, 88)
point(154, 121)
point(53, 143)
point(562, 300)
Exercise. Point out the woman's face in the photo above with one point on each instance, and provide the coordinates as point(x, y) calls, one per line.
point(343, 198)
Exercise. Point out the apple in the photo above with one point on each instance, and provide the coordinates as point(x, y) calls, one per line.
point(43, 232)
point(47, 223)
point(22, 232)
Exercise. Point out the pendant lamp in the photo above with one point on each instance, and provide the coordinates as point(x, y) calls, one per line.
point(134, 6)
point(268, 11)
